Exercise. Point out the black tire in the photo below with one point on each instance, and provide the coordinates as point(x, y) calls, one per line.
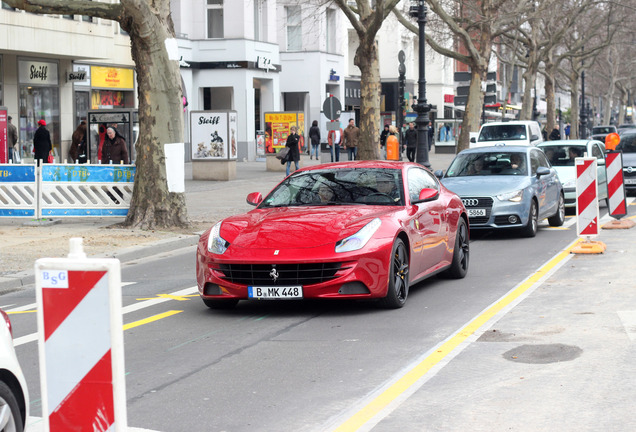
point(398, 289)
point(461, 254)
point(221, 304)
point(531, 228)
point(11, 418)
point(559, 217)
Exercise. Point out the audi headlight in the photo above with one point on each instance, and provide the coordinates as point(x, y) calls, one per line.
point(514, 196)
point(359, 239)
point(217, 244)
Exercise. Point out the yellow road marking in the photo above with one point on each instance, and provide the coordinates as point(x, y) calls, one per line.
point(22, 312)
point(150, 319)
point(363, 416)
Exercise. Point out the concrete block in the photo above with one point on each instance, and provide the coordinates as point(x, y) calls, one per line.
point(223, 170)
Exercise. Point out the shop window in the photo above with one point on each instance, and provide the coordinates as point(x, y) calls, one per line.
point(38, 103)
point(294, 28)
point(215, 19)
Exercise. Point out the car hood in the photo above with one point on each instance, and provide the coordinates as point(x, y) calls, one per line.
point(566, 174)
point(298, 227)
point(629, 159)
point(485, 185)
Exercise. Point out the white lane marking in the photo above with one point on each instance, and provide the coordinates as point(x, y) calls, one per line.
point(23, 308)
point(130, 308)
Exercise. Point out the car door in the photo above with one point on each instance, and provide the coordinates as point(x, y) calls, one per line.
point(601, 175)
point(547, 186)
point(428, 224)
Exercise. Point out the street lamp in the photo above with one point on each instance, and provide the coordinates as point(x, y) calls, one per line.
point(422, 108)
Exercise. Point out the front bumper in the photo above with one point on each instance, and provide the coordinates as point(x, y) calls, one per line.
point(499, 214)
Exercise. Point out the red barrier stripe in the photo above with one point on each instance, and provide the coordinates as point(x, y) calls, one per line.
point(587, 197)
point(614, 184)
point(58, 303)
point(90, 405)
point(590, 229)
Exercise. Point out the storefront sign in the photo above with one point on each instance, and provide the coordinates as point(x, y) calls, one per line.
point(277, 127)
point(4, 152)
point(352, 93)
point(39, 73)
point(111, 77)
point(213, 135)
point(264, 63)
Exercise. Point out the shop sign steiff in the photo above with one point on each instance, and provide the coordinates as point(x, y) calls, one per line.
point(213, 135)
point(37, 72)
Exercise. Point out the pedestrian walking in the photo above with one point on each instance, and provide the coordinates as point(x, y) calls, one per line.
point(351, 139)
point(431, 136)
point(294, 151)
point(314, 137)
point(410, 136)
point(334, 140)
point(555, 134)
point(114, 150)
point(383, 136)
point(567, 131)
point(42, 145)
point(12, 140)
point(77, 152)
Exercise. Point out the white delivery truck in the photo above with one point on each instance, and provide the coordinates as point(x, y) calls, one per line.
point(508, 133)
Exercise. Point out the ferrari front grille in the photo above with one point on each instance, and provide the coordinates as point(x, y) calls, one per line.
point(279, 274)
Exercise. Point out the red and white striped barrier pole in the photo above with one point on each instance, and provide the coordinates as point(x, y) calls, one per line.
point(617, 199)
point(81, 345)
point(587, 211)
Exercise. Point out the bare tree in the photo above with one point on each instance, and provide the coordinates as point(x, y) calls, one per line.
point(153, 46)
point(475, 26)
point(366, 20)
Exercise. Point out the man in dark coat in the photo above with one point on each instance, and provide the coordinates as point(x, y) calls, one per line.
point(294, 152)
point(42, 143)
point(555, 134)
point(410, 136)
point(114, 150)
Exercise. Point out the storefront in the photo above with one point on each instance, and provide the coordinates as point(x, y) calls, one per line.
point(38, 99)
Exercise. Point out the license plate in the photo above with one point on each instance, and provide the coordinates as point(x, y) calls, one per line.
point(476, 212)
point(273, 293)
point(630, 181)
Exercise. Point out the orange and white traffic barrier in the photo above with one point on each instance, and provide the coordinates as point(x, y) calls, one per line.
point(587, 211)
point(617, 199)
point(81, 345)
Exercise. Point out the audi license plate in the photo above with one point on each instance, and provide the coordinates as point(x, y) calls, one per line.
point(476, 212)
point(630, 181)
point(275, 293)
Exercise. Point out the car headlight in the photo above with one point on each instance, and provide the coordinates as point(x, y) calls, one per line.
point(217, 244)
point(514, 196)
point(359, 239)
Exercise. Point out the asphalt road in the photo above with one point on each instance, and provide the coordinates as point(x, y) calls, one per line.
point(287, 365)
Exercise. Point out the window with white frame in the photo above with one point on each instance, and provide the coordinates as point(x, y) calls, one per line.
point(294, 28)
point(331, 30)
point(215, 19)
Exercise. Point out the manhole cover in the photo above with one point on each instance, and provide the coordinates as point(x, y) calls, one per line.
point(541, 354)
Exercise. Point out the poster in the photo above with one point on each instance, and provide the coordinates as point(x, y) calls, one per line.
point(277, 126)
point(4, 135)
point(209, 135)
point(233, 133)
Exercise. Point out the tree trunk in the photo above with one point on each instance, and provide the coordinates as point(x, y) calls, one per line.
point(574, 104)
point(549, 97)
point(529, 77)
point(160, 118)
point(366, 59)
point(474, 105)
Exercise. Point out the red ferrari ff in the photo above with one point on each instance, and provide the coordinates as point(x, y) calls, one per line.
point(348, 230)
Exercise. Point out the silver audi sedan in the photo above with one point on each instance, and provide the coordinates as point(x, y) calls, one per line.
point(510, 187)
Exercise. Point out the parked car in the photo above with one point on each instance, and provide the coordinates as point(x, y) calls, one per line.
point(600, 132)
point(561, 155)
point(628, 146)
point(14, 397)
point(508, 133)
point(349, 230)
point(506, 187)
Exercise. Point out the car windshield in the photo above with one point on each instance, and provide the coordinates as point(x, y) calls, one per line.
point(563, 155)
point(503, 132)
point(488, 164)
point(376, 186)
point(627, 144)
point(602, 129)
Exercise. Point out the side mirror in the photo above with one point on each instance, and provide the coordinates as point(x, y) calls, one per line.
point(426, 195)
point(255, 198)
point(473, 140)
point(439, 174)
point(534, 137)
point(541, 171)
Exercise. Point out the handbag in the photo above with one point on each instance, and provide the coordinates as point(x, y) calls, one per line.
point(282, 153)
point(51, 159)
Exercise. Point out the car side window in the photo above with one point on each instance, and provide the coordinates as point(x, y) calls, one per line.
point(419, 179)
point(543, 161)
point(597, 152)
point(534, 162)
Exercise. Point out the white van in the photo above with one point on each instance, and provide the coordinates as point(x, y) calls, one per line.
point(508, 133)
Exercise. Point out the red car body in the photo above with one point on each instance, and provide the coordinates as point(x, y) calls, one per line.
point(301, 241)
